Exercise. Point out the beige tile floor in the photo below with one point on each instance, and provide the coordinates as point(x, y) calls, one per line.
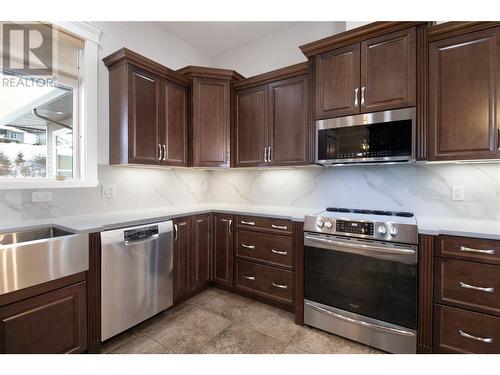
point(216, 321)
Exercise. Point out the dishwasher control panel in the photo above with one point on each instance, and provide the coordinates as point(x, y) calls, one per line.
point(140, 233)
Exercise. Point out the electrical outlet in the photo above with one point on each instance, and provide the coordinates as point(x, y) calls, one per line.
point(263, 188)
point(109, 190)
point(457, 193)
point(41, 196)
point(191, 188)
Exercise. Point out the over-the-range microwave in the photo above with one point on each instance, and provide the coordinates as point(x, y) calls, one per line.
point(369, 138)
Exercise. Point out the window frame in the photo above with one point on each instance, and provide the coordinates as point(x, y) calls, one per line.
point(85, 144)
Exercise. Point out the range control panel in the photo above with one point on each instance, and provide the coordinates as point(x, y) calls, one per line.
point(357, 227)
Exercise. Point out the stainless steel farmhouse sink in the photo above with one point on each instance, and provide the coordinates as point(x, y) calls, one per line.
point(35, 256)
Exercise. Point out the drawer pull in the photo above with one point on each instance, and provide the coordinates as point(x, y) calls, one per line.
point(281, 286)
point(247, 222)
point(247, 246)
point(284, 227)
point(471, 250)
point(487, 340)
point(248, 277)
point(467, 286)
point(279, 252)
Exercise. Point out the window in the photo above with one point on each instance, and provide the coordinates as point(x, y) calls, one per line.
point(48, 91)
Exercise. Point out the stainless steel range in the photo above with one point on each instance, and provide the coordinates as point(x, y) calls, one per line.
point(361, 276)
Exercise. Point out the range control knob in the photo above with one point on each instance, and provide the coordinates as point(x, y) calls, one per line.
point(393, 231)
point(382, 229)
point(320, 223)
point(328, 224)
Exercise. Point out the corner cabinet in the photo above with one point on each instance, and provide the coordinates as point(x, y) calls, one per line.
point(210, 115)
point(464, 102)
point(271, 119)
point(223, 247)
point(148, 112)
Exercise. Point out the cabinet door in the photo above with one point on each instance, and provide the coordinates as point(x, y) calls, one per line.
point(388, 71)
point(251, 126)
point(174, 124)
point(223, 250)
point(199, 258)
point(337, 82)
point(182, 242)
point(464, 74)
point(211, 122)
point(50, 323)
point(288, 130)
point(144, 134)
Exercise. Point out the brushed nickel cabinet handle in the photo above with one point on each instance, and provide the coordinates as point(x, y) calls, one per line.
point(281, 286)
point(248, 277)
point(175, 232)
point(284, 227)
point(356, 90)
point(471, 250)
point(159, 151)
point(247, 222)
point(498, 139)
point(279, 252)
point(487, 340)
point(229, 224)
point(228, 156)
point(265, 154)
point(269, 154)
point(480, 288)
point(247, 246)
point(164, 152)
point(363, 95)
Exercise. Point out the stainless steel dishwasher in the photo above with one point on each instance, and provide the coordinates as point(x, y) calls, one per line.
point(136, 275)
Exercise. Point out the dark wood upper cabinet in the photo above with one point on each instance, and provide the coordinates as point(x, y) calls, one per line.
point(223, 248)
point(288, 124)
point(200, 254)
point(182, 244)
point(388, 71)
point(464, 77)
point(175, 124)
point(147, 111)
point(251, 126)
point(337, 82)
point(271, 115)
point(210, 115)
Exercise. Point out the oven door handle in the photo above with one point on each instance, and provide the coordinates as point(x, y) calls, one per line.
point(361, 323)
point(363, 246)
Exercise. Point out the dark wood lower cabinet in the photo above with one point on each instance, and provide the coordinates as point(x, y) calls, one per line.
point(182, 243)
point(53, 322)
point(199, 254)
point(223, 248)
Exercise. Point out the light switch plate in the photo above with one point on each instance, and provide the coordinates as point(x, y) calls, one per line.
point(457, 193)
point(41, 196)
point(108, 190)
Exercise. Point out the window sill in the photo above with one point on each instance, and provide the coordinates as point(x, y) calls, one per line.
point(35, 183)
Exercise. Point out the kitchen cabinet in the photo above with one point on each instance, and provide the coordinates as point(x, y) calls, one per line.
point(210, 115)
point(272, 119)
point(148, 111)
point(48, 323)
point(223, 248)
point(182, 244)
point(464, 80)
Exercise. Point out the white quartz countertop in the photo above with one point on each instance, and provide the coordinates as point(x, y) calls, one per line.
point(459, 227)
point(126, 218)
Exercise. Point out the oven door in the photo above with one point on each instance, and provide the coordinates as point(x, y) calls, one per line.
point(379, 137)
point(367, 278)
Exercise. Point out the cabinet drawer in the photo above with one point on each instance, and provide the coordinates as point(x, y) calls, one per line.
point(268, 248)
point(265, 281)
point(265, 223)
point(469, 285)
point(466, 248)
point(462, 331)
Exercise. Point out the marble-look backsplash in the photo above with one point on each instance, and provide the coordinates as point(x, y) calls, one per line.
point(423, 189)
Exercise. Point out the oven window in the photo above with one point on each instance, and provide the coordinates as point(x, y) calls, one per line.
point(380, 289)
point(366, 141)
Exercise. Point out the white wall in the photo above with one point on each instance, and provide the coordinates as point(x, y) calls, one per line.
point(349, 25)
point(148, 39)
point(276, 50)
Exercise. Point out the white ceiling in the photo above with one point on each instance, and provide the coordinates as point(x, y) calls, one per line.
point(213, 38)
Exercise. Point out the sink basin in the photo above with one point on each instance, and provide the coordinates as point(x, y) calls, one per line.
point(11, 238)
point(35, 256)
